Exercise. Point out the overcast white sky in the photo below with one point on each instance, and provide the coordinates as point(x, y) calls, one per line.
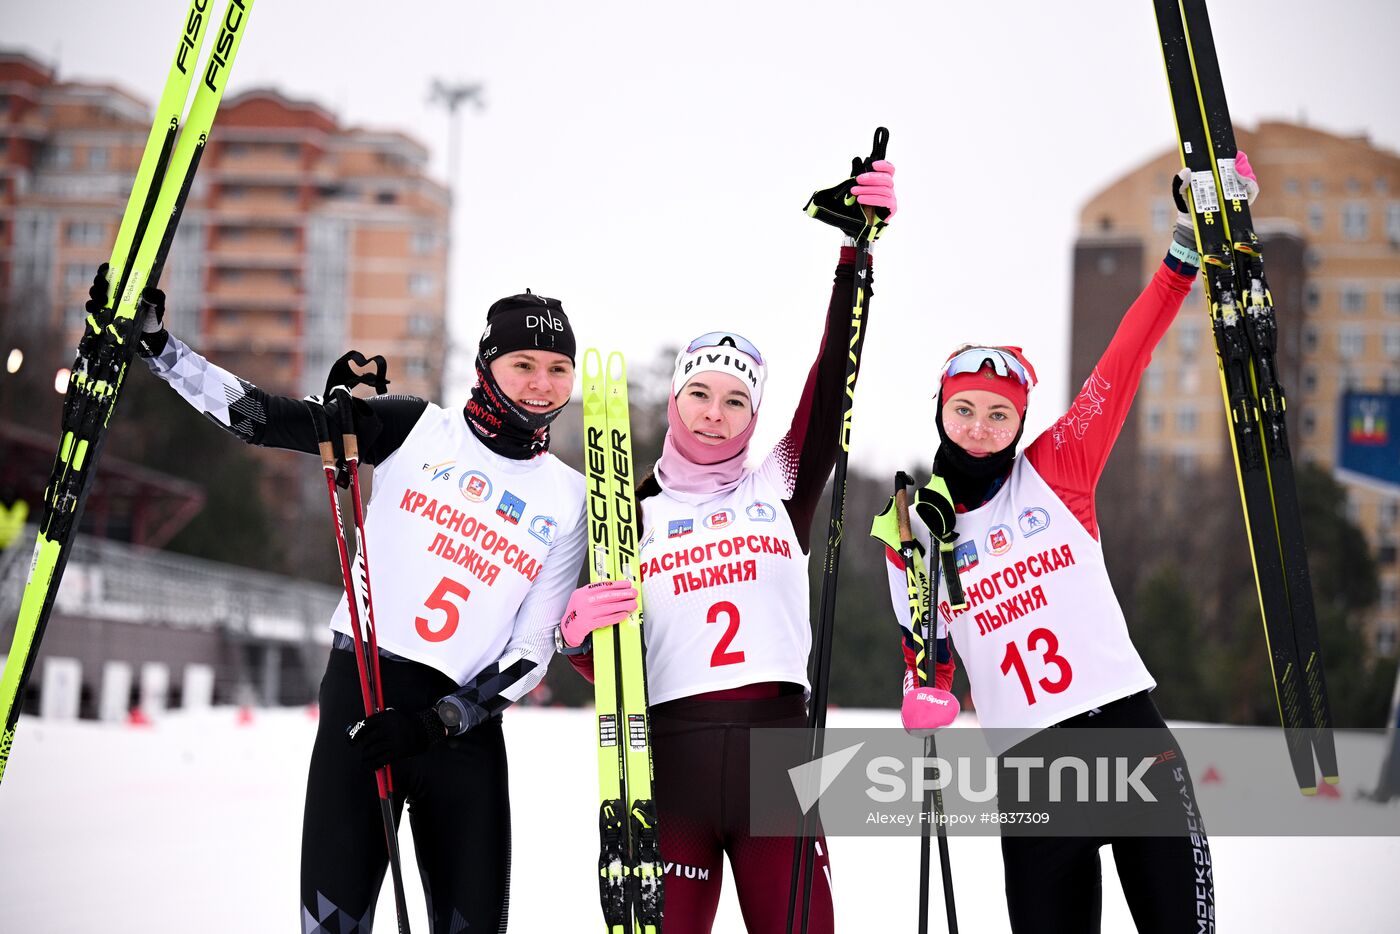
point(647, 162)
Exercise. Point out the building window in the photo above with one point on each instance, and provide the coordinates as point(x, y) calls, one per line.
point(76, 275)
point(1185, 463)
point(1389, 512)
point(421, 284)
point(1317, 186)
point(97, 158)
point(1390, 381)
point(1353, 299)
point(1353, 186)
point(84, 233)
point(1107, 264)
point(416, 368)
point(1317, 217)
point(1390, 300)
point(386, 197)
point(1186, 419)
point(1188, 338)
point(1385, 640)
point(1312, 297)
point(1382, 185)
point(1351, 342)
point(1392, 343)
point(1348, 379)
point(1309, 380)
point(1309, 423)
point(1392, 220)
point(1163, 215)
point(1154, 379)
point(1355, 220)
point(1390, 596)
point(1310, 338)
point(233, 192)
point(1155, 420)
point(1291, 186)
point(421, 325)
point(423, 242)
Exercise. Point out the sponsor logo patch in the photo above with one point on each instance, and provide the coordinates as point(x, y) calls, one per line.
point(999, 539)
point(1033, 520)
point(965, 556)
point(679, 527)
point(760, 511)
point(545, 528)
point(475, 486)
point(510, 508)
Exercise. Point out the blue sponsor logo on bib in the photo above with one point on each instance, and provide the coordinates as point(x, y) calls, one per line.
point(511, 508)
point(965, 556)
point(545, 528)
point(1033, 520)
point(761, 512)
point(679, 527)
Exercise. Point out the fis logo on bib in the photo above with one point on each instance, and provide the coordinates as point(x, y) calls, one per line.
point(1033, 520)
point(475, 486)
point(965, 556)
point(441, 471)
point(511, 508)
point(720, 520)
point(761, 512)
point(999, 540)
point(545, 528)
point(679, 527)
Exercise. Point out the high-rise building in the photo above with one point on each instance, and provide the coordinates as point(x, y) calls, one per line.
point(301, 237)
point(1329, 220)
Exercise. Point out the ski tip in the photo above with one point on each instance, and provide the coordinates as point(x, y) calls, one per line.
point(1332, 779)
point(1309, 792)
point(617, 366)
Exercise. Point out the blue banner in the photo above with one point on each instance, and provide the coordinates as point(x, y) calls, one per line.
point(1368, 442)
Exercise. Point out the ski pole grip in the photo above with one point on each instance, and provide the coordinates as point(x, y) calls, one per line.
point(323, 433)
point(901, 507)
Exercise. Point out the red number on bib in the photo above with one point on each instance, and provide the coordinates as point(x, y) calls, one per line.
point(1012, 659)
point(437, 600)
point(721, 655)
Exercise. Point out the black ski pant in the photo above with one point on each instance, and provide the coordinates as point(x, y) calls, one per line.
point(1054, 885)
point(458, 808)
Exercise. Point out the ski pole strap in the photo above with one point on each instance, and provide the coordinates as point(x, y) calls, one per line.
point(934, 505)
point(838, 207)
point(343, 375)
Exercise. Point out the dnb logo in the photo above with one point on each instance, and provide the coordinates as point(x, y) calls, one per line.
point(679, 527)
point(720, 520)
point(510, 508)
point(475, 486)
point(545, 528)
point(1033, 520)
point(999, 540)
point(965, 556)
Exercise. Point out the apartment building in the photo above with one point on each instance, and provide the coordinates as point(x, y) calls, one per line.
point(1329, 219)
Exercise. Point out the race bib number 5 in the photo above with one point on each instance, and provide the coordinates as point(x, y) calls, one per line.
point(446, 598)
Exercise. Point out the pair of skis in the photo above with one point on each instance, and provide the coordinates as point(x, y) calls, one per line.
point(630, 882)
point(168, 163)
point(1245, 329)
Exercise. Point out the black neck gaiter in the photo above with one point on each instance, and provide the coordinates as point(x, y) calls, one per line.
point(971, 480)
point(502, 425)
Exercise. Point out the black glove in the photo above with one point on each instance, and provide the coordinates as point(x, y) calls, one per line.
point(840, 207)
point(392, 734)
point(933, 504)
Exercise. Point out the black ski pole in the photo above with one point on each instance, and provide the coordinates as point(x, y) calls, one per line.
point(922, 621)
point(821, 661)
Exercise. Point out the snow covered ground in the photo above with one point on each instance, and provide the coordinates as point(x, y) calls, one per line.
point(194, 824)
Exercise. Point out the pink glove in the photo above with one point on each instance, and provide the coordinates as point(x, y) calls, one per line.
point(927, 709)
point(875, 188)
point(1246, 173)
point(596, 606)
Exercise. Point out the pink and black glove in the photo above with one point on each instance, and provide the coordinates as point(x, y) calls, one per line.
point(1185, 232)
point(594, 606)
point(926, 709)
point(875, 189)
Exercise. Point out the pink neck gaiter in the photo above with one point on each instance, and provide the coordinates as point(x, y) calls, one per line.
point(689, 465)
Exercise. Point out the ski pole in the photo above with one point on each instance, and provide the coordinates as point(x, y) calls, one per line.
point(370, 692)
point(921, 625)
point(821, 662)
